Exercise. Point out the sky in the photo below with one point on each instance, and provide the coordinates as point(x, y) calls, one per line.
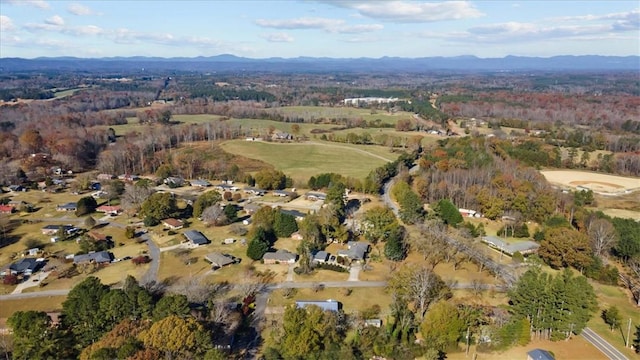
point(329, 28)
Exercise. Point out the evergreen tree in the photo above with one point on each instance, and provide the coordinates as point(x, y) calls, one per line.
point(204, 201)
point(448, 212)
point(636, 341)
point(612, 317)
point(86, 205)
point(284, 224)
point(395, 249)
point(256, 249)
point(231, 213)
point(81, 312)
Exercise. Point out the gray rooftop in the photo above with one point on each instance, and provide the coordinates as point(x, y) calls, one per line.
point(321, 256)
point(280, 255)
point(356, 250)
point(327, 305)
point(25, 265)
point(539, 354)
point(97, 257)
point(524, 247)
point(218, 259)
point(196, 237)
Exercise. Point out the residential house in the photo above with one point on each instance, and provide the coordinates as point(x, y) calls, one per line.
point(103, 177)
point(523, 247)
point(226, 187)
point(282, 193)
point(173, 224)
point(195, 237)
point(101, 257)
point(320, 257)
point(33, 251)
point(254, 191)
point(251, 208)
point(280, 256)
point(25, 266)
point(315, 196)
point(6, 209)
point(53, 229)
point(278, 135)
point(356, 250)
point(109, 209)
point(17, 188)
point(327, 305)
point(174, 181)
point(219, 260)
point(299, 216)
point(373, 322)
point(97, 236)
point(539, 354)
point(128, 177)
point(70, 206)
point(469, 213)
point(200, 183)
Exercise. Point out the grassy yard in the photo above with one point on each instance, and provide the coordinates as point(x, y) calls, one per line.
point(301, 161)
point(576, 348)
point(49, 303)
point(353, 301)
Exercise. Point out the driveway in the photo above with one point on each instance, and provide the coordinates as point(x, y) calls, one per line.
point(34, 280)
point(354, 271)
point(154, 254)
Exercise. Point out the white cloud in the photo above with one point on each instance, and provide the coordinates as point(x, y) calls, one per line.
point(328, 25)
point(80, 10)
point(40, 4)
point(411, 11)
point(277, 37)
point(6, 24)
point(300, 23)
point(357, 29)
point(55, 20)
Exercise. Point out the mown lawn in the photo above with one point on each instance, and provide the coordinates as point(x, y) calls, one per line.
point(46, 303)
point(301, 161)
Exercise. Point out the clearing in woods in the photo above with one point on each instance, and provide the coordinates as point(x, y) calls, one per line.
point(599, 183)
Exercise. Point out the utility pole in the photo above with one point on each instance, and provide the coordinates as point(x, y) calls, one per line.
point(628, 333)
point(467, 354)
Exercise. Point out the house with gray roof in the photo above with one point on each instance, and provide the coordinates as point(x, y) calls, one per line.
point(70, 206)
point(200, 183)
point(196, 237)
point(298, 215)
point(320, 256)
point(100, 257)
point(254, 191)
point(25, 266)
point(219, 260)
point(523, 247)
point(315, 195)
point(356, 250)
point(327, 305)
point(280, 257)
point(539, 354)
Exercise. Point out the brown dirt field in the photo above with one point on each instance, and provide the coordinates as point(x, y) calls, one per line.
point(576, 348)
point(604, 183)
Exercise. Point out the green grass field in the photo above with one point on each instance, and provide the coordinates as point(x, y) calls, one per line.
point(320, 112)
point(303, 160)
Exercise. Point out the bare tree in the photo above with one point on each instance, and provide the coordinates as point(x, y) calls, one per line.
point(602, 235)
point(134, 196)
point(420, 285)
point(213, 215)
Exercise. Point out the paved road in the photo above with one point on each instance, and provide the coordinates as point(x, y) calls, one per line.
point(601, 344)
point(154, 254)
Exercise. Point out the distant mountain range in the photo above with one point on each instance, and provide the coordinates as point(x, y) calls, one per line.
point(231, 63)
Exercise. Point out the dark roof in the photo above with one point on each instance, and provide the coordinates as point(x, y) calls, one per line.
point(330, 305)
point(57, 227)
point(523, 247)
point(97, 257)
point(69, 205)
point(25, 264)
point(539, 354)
point(196, 237)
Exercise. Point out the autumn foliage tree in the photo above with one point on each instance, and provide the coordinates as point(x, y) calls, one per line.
point(177, 337)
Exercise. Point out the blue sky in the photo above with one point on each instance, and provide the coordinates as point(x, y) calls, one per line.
point(331, 28)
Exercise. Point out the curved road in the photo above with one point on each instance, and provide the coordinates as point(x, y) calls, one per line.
point(154, 254)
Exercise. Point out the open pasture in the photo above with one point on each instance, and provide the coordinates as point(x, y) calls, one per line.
point(303, 160)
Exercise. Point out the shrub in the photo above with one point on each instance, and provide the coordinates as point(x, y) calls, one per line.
point(332, 267)
point(129, 232)
point(150, 221)
point(10, 279)
point(139, 260)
